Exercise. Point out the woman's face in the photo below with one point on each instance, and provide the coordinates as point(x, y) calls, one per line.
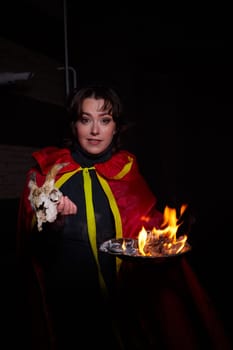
point(95, 128)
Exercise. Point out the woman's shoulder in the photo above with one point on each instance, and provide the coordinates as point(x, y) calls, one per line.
point(121, 163)
point(48, 156)
point(125, 155)
point(50, 151)
point(122, 157)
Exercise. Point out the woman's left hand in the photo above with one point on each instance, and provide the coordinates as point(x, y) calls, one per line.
point(66, 206)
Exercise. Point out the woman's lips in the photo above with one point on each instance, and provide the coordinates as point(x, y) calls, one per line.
point(94, 142)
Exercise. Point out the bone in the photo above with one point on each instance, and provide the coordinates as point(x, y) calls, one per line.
point(44, 199)
point(54, 170)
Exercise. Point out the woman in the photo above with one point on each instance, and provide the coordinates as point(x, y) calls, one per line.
point(103, 196)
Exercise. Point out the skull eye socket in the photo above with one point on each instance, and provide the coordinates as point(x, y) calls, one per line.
point(40, 207)
point(54, 196)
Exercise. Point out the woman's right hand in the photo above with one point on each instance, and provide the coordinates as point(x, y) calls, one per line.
point(66, 206)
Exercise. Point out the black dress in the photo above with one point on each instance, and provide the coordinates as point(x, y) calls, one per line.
point(80, 313)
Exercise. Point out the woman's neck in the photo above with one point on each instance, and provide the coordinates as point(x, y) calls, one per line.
point(87, 159)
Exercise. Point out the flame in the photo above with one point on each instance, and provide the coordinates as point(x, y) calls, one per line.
point(142, 240)
point(164, 238)
point(123, 245)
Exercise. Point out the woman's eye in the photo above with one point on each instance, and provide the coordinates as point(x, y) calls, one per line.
point(84, 120)
point(105, 121)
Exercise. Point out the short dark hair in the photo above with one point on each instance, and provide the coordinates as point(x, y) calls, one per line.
point(112, 103)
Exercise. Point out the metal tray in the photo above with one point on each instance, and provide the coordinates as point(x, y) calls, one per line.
point(130, 250)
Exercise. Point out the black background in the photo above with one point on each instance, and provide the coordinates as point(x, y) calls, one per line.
point(174, 72)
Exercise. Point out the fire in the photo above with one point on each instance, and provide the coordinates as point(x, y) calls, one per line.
point(142, 238)
point(163, 241)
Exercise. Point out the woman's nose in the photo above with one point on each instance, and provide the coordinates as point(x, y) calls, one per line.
point(95, 128)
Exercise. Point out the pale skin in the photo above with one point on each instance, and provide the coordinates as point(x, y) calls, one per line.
point(94, 130)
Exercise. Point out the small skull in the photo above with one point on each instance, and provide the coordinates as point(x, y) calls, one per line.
point(44, 199)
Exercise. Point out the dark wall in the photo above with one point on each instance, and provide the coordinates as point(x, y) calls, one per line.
point(175, 76)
